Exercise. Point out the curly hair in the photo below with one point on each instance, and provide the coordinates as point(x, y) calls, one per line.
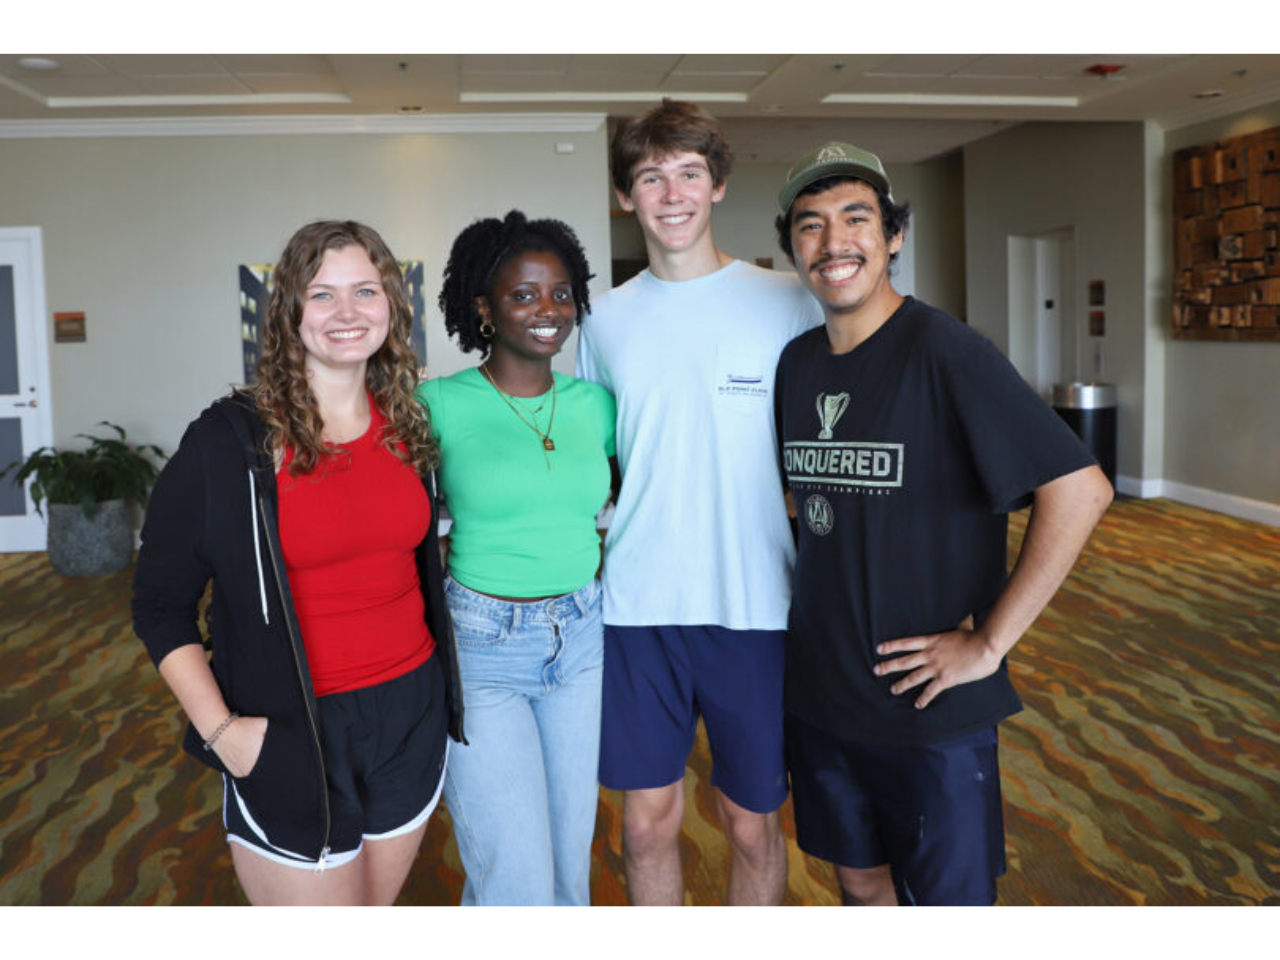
point(479, 253)
point(282, 391)
point(674, 126)
point(893, 216)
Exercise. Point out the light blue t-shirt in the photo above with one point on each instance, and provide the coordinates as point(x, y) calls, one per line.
point(700, 534)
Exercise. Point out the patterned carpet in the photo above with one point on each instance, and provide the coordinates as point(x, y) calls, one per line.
point(1145, 769)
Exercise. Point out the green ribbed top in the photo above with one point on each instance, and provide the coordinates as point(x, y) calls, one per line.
point(519, 529)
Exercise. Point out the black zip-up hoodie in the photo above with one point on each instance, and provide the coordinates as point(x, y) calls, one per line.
point(213, 515)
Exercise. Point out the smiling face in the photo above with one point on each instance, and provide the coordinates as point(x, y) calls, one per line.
point(345, 311)
point(840, 251)
point(531, 306)
point(672, 197)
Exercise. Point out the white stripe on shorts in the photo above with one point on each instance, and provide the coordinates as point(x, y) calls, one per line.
point(265, 848)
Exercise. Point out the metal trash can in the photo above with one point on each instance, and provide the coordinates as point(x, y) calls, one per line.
point(1090, 410)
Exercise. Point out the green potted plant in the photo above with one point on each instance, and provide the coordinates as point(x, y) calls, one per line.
point(89, 492)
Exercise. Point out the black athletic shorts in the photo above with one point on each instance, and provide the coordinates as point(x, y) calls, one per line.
point(384, 754)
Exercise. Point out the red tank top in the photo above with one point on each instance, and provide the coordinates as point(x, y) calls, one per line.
point(348, 531)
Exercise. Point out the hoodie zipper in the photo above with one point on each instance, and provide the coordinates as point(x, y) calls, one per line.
point(306, 700)
point(257, 553)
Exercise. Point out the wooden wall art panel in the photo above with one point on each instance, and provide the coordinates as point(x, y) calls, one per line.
point(1226, 208)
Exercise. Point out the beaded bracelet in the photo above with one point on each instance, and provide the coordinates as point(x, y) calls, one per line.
point(208, 744)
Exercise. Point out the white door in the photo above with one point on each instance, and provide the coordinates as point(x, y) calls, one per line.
point(1057, 327)
point(1043, 328)
point(26, 422)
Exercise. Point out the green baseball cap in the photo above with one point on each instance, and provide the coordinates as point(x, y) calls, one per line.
point(833, 159)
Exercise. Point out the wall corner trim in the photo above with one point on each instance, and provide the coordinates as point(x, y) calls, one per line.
point(272, 126)
point(1259, 511)
point(1139, 487)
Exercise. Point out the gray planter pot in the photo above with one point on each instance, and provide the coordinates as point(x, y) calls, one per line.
point(87, 547)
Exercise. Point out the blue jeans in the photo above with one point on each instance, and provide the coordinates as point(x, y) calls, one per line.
point(523, 793)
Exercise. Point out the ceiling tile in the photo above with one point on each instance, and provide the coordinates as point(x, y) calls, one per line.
point(514, 63)
point(757, 63)
point(275, 63)
point(613, 81)
point(109, 86)
point(710, 83)
point(1018, 66)
point(224, 86)
point(922, 64)
point(292, 82)
point(1062, 66)
point(162, 65)
point(68, 66)
point(525, 83)
point(598, 63)
point(1016, 87)
point(843, 83)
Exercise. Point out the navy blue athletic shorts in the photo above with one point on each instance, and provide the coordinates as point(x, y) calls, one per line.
point(933, 813)
point(384, 754)
point(657, 680)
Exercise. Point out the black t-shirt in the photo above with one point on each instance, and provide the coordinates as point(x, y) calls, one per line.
point(904, 457)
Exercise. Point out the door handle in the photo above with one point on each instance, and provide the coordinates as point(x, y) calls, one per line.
point(30, 404)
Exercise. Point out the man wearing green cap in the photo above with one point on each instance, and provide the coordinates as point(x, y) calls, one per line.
point(906, 439)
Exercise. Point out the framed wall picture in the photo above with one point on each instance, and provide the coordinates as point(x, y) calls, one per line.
point(1226, 241)
point(68, 328)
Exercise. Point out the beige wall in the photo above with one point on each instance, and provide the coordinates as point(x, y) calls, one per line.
point(1221, 430)
point(935, 190)
point(1040, 178)
point(144, 234)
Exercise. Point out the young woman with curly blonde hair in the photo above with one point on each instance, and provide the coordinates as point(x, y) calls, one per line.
point(309, 500)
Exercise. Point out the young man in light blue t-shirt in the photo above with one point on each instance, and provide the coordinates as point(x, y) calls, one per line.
point(699, 554)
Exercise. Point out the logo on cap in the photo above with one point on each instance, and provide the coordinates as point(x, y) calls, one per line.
point(830, 152)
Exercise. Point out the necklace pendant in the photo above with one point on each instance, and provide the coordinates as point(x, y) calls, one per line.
point(548, 443)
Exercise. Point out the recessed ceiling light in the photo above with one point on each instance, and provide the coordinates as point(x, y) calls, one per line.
point(1209, 94)
point(39, 63)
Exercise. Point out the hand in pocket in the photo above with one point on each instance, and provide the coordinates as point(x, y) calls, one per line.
point(241, 744)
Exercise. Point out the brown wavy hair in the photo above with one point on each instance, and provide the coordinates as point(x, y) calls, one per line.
point(674, 126)
point(282, 391)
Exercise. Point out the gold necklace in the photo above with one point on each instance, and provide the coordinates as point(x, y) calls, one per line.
point(547, 443)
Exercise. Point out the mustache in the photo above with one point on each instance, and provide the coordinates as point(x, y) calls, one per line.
point(821, 262)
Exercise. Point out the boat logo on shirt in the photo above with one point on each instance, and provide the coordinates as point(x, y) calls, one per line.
point(742, 385)
point(819, 515)
point(740, 375)
point(830, 410)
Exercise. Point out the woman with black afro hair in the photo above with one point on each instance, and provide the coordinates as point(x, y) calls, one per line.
point(525, 465)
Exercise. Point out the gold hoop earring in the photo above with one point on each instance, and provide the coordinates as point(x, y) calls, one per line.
point(487, 329)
